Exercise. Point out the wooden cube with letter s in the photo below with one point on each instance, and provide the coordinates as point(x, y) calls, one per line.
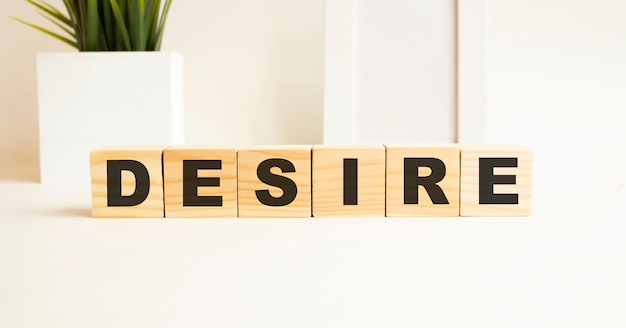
point(274, 181)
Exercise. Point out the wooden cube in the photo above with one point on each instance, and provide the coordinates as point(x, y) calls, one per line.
point(127, 182)
point(200, 182)
point(274, 181)
point(422, 180)
point(348, 181)
point(496, 180)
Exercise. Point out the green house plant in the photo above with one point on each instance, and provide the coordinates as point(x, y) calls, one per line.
point(106, 25)
point(118, 89)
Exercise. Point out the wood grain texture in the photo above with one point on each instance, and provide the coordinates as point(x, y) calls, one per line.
point(150, 157)
point(470, 155)
point(173, 158)
point(328, 181)
point(395, 195)
point(248, 161)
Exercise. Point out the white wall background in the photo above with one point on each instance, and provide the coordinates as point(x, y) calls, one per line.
point(253, 72)
point(405, 71)
point(556, 76)
point(556, 82)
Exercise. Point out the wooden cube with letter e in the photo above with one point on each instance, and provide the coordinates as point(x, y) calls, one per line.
point(274, 181)
point(422, 180)
point(200, 182)
point(496, 180)
point(348, 181)
point(127, 182)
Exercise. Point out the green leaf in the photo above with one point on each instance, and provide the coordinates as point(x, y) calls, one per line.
point(81, 7)
point(92, 27)
point(141, 29)
point(161, 27)
point(107, 25)
point(52, 11)
point(152, 18)
point(54, 35)
point(70, 5)
point(71, 10)
point(68, 31)
point(119, 18)
point(133, 23)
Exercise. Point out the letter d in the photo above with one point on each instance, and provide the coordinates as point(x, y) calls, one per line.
point(114, 183)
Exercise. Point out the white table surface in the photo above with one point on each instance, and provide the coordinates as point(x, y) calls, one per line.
point(565, 266)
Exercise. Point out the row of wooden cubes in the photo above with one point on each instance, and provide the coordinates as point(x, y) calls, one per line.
point(318, 181)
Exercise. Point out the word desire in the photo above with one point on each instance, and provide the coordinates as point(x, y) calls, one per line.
point(311, 181)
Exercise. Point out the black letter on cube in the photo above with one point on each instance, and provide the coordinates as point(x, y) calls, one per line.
point(412, 180)
point(114, 183)
point(350, 181)
point(486, 180)
point(191, 182)
point(290, 190)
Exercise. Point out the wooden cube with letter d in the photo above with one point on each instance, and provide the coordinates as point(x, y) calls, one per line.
point(274, 181)
point(200, 182)
point(127, 182)
point(422, 180)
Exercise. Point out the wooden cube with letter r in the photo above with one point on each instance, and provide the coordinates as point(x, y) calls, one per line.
point(496, 180)
point(200, 182)
point(127, 182)
point(422, 180)
point(274, 181)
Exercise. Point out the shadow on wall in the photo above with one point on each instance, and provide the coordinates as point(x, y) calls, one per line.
point(10, 172)
point(19, 145)
point(19, 136)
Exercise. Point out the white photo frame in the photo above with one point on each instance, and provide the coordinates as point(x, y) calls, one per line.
point(471, 69)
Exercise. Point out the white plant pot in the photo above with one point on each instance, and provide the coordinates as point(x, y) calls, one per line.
point(93, 99)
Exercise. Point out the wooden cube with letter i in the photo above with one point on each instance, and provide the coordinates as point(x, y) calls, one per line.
point(348, 181)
